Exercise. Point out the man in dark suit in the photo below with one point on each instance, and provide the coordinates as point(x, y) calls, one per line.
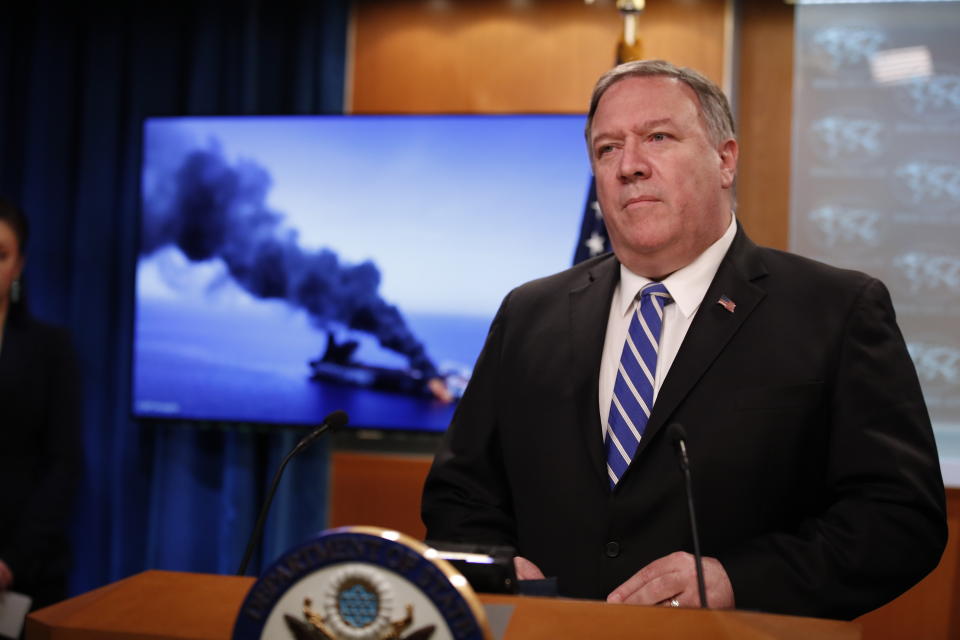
point(814, 466)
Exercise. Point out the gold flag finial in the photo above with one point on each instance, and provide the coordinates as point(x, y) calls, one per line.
point(630, 47)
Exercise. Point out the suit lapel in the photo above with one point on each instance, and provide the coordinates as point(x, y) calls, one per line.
point(711, 329)
point(589, 312)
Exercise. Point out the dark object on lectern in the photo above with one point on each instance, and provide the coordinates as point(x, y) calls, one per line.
point(488, 568)
point(542, 588)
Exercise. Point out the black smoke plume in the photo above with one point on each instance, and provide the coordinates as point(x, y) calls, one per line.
point(210, 209)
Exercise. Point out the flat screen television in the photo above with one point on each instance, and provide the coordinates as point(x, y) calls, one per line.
point(290, 266)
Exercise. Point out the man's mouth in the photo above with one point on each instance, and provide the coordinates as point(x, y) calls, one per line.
point(640, 200)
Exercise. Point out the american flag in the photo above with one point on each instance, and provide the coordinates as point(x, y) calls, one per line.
point(593, 238)
point(727, 303)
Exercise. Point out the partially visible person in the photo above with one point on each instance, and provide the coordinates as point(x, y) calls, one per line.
point(40, 444)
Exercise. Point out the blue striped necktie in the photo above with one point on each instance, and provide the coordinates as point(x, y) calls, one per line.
point(633, 390)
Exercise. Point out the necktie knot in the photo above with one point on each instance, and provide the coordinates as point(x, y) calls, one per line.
point(658, 291)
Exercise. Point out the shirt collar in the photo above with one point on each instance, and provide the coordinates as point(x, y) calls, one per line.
point(688, 285)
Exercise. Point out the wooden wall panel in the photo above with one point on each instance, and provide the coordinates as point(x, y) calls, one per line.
point(416, 56)
point(765, 106)
point(378, 489)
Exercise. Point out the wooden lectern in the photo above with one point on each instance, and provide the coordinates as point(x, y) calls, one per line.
point(165, 604)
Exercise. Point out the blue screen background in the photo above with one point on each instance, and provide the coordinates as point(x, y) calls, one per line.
point(454, 211)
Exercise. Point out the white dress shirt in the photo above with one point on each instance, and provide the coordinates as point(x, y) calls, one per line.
point(687, 286)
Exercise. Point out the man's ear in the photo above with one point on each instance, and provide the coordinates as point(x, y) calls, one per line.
point(729, 151)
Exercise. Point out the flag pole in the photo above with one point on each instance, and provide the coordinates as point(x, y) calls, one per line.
point(630, 47)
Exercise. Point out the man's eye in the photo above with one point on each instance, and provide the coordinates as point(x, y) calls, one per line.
point(603, 150)
point(659, 137)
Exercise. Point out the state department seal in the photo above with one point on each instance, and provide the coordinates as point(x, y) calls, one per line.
point(358, 604)
point(361, 583)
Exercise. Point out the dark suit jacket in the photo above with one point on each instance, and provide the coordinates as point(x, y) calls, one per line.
point(40, 455)
point(814, 467)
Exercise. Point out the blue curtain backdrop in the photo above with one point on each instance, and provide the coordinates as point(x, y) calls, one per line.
point(76, 81)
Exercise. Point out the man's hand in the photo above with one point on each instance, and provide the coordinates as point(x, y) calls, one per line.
point(6, 576)
point(675, 577)
point(526, 570)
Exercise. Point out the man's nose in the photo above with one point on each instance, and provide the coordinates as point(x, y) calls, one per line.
point(633, 162)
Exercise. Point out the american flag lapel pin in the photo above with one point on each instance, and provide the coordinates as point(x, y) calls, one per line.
point(727, 303)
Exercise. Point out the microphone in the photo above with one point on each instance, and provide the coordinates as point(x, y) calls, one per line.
point(679, 437)
point(334, 421)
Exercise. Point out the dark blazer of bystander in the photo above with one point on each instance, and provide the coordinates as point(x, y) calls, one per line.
point(40, 455)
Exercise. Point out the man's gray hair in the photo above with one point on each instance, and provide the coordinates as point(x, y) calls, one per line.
point(714, 107)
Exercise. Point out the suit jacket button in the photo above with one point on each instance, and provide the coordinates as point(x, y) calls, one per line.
point(612, 549)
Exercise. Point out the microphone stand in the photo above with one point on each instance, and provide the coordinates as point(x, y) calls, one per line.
point(335, 420)
point(680, 439)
